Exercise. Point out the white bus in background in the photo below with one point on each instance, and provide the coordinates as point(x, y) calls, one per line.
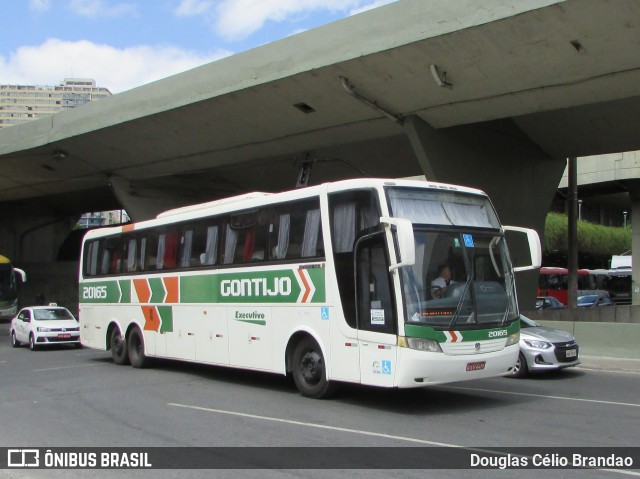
point(10, 277)
point(330, 283)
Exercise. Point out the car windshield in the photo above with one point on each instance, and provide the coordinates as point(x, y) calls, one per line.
point(51, 314)
point(528, 323)
point(587, 299)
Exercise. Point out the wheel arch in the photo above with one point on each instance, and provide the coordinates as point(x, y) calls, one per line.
point(294, 338)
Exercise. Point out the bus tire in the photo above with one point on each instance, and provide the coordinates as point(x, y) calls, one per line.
point(520, 370)
point(118, 345)
point(309, 370)
point(135, 348)
point(14, 342)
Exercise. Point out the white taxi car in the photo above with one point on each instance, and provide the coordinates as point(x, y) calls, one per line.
point(43, 326)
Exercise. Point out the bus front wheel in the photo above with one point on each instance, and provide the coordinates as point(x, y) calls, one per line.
point(118, 347)
point(135, 348)
point(309, 370)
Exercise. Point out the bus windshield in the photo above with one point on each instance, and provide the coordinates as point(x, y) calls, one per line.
point(462, 280)
point(462, 276)
point(7, 283)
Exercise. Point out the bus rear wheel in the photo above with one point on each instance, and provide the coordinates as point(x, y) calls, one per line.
point(309, 370)
point(118, 347)
point(135, 348)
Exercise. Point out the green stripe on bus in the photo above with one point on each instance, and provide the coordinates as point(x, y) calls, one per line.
point(157, 290)
point(125, 289)
point(166, 315)
point(427, 332)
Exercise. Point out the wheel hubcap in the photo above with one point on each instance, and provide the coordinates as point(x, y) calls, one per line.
point(311, 367)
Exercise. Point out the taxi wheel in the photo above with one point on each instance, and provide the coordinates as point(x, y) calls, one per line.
point(32, 343)
point(14, 342)
point(309, 370)
point(135, 348)
point(118, 347)
point(520, 370)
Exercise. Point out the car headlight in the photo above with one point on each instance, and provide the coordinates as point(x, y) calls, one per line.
point(42, 329)
point(534, 343)
point(513, 339)
point(420, 344)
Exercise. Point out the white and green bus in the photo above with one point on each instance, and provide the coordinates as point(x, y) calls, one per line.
point(330, 283)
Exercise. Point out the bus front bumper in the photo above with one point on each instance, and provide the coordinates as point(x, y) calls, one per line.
point(420, 368)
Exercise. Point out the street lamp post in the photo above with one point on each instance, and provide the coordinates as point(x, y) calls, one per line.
point(624, 213)
point(580, 209)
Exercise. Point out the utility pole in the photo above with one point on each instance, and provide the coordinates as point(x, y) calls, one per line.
point(572, 249)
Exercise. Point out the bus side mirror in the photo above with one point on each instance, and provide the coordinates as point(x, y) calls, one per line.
point(406, 241)
point(535, 249)
point(21, 273)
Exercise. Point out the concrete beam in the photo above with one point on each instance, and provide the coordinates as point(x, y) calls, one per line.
point(500, 159)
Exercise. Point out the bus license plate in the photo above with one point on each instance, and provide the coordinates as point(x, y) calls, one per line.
point(572, 353)
point(477, 366)
point(64, 336)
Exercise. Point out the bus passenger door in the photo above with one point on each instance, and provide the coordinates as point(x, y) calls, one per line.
point(376, 312)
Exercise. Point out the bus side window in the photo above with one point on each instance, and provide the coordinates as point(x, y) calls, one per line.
point(170, 258)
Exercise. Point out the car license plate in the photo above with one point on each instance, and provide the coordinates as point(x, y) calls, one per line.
point(572, 353)
point(64, 336)
point(477, 366)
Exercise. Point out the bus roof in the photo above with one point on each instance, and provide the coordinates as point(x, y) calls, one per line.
point(255, 199)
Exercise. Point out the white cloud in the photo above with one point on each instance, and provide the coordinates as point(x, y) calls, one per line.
point(370, 6)
point(237, 19)
point(114, 68)
point(188, 8)
point(99, 8)
point(39, 6)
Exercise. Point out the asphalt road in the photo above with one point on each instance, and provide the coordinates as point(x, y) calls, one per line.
point(78, 398)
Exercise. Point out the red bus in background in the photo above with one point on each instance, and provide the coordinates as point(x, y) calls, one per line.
point(554, 282)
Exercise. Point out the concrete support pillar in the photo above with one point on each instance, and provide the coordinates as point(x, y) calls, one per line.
point(498, 158)
point(635, 247)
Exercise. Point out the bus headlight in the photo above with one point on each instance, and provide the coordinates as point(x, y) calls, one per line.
point(513, 339)
point(420, 344)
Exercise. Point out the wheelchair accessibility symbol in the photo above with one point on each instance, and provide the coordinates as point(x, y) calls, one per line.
point(324, 314)
point(386, 367)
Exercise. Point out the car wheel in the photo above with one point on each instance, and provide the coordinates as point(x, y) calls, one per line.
point(309, 370)
point(118, 345)
point(32, 343)
point(135, 348)
point(521, 369)
point(14, 342)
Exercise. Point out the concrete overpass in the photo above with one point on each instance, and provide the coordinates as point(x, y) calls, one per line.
point(494, 95)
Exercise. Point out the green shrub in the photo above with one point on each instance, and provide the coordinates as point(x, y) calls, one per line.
point(592, 239)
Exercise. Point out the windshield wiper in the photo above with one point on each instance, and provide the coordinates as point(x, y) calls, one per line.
point(461, 301)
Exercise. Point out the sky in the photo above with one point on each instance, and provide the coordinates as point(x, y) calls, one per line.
point(123, 44)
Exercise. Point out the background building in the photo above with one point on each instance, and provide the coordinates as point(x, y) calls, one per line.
point(22, 103)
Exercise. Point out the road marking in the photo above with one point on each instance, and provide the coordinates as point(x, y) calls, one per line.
point(614, 371)
point(613, 403)
point(68, 367)
point(317, 426)
point(1, 362)
point(363, 433)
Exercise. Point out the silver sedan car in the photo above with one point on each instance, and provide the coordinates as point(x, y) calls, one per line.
point(544, 349)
